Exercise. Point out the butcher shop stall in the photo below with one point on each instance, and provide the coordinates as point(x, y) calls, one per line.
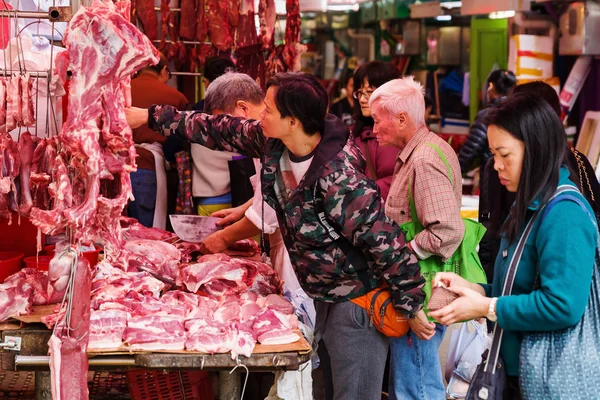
point(90, 299)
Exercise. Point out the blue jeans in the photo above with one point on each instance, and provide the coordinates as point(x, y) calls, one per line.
point(143, 183)
point(415, 370)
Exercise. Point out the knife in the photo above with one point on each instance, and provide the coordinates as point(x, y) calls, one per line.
point(194, 228)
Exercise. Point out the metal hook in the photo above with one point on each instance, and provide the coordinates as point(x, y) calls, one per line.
point(239, 364)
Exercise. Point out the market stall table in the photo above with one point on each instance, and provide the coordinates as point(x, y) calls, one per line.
point(32, 351)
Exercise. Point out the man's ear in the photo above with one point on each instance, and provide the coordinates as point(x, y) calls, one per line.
point(243, 106)
point(403, 118)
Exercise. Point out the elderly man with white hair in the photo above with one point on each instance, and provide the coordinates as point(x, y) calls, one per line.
point(428, 173)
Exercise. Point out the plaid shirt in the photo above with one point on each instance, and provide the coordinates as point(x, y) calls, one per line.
point(437, 200)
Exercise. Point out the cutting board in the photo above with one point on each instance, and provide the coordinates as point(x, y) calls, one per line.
point(36, 314)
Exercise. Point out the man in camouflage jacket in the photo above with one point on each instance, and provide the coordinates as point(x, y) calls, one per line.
point(352, 204)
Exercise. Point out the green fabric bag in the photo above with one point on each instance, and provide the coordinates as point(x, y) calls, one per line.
point(465, 260)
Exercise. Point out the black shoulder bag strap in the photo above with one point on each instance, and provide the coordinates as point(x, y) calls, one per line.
point(491, 364)
point(354, 255)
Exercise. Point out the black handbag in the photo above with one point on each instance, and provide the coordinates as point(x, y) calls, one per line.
point(489, 380)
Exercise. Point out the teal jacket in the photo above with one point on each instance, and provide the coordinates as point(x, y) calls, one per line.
point(562, 245)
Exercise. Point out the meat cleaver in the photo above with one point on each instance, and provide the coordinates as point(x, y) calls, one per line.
point(194, 228)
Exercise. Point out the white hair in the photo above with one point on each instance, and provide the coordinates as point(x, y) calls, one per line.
point(227, 89)
point(401, 95)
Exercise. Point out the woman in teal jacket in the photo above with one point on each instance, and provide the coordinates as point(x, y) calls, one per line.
point(528, 144)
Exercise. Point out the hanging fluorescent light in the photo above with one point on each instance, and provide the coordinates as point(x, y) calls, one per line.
point(343, 7)
point(502, 14)
point(443, 18)
point(451, 4)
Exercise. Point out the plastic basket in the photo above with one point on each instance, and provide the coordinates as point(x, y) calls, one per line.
point(176, 385)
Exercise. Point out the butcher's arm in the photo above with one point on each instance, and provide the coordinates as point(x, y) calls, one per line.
point(219, 241)
point(218, 132)
point(354, 204)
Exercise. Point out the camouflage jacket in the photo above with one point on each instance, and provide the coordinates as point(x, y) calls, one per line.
point(351, 202)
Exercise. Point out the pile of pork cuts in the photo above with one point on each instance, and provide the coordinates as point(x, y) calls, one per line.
point(216, 304)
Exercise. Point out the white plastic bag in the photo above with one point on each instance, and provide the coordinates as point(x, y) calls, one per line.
point(464, 355)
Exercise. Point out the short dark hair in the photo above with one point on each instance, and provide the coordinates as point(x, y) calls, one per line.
point(301, 96)
point(162, 63)
point(543, 90)
point(376, 73)
point(217, 66)
point(504, 81)
point(530, 119)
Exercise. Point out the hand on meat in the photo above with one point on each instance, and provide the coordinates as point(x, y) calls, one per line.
point(136, 117)
point(231, 215)
point(215, 243)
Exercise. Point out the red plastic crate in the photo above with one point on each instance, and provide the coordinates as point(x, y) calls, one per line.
point(147, 384)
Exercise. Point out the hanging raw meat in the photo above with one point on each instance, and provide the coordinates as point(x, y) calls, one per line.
point(14, 112)
point(103, 51)
point(189, 18)
point(27, 109)
point(218, 24)
point(41, 172)
point(147, 15)
point(164, 25)
point(201, 24)
point(246, 32)
point(10, 165)
point(25, 147)
point(233, 13)
point(69, 342)
point(292, 33)
point(267, 15)
point(3, 90)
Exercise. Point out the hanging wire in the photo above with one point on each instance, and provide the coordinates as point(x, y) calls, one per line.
point(239, 364)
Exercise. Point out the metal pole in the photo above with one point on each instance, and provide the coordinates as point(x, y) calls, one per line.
point(43, 389)
point(230, 385)
point(187, 73)
point(181, 41)
point(44, 361)
point(33, 74)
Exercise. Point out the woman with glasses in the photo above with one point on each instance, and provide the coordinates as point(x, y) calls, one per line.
point(380, 160)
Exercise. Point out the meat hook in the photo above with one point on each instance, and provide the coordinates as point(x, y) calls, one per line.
point(239, 364)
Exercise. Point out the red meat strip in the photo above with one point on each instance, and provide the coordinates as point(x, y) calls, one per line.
point(267, 16)
point(14, 112)
point(189, 19)
point(147, 15)
point(3, 92)
point(25, 147)
point(27, 108)
point(201, 24)
point(218, 24)
point(41, 172)
point(292, 33)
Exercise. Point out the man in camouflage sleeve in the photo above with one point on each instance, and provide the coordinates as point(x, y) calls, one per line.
point(308, 166)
